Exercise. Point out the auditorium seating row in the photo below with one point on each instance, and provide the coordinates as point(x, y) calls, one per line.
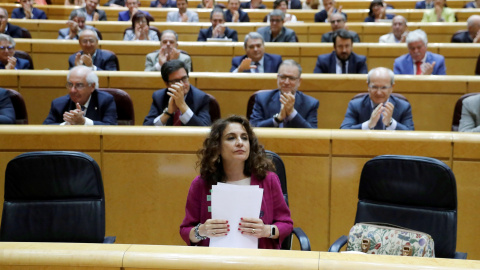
point(306, 32)
point(60, 12)
point(147, 172)
point(460, 59)
point(432, 98)
point(67, 256)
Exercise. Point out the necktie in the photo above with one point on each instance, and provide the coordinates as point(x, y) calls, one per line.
point(344, 67)
point(256, 69)
point(176, 118)
point(419, 68)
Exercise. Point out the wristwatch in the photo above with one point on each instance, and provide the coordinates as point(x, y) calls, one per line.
point(272, 231)
point(165, 111)
point(275, 117)
point(389, 124)
point(197, 234)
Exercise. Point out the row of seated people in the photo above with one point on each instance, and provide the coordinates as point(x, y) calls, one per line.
point(286, 107)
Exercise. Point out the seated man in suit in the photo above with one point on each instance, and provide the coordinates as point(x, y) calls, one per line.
point(180, 104)
point(84, 104)
point(473, 4)
point(93, 14)
point(168, 51)
point(234, 13)
point(470, 119)
point(399, 31)
point(337, 22)
point(7, 51)
point(294, 4)
point(163, 3)
point(76, 24)
point(253, 4)
point(379, 109)
point(342, 60)
point(218, 28)
point(8, 28)
point(276, 32)
point(418, 61)
point(255, 60)
point(90, 55)
point(132, 6)
point(7, 112)
point(285, 107)
point(27, 11)
point(472, 34)
point(329, 8)
point(426, 4)
point(182, 14)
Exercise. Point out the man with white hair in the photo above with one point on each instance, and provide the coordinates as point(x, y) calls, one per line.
point(418, 61)
point(379, 109)
point(76, 24)
point(84, 104)
point(276, 32)
point(399, 31)
point(8, 28)
point(472, 34)
point(7, 52)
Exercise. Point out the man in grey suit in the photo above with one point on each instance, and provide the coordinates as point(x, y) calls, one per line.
point(470, 120)
point(76, 24)
point(276, 32)
point(168, 51)
point(182, 14)
point(93, 14)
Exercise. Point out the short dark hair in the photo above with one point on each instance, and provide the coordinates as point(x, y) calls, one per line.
point(342, 33)
point(171, 66)
point(373, 3)
point(278, 2)
point(138, 16)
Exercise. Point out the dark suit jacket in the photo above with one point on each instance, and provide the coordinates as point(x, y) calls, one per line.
point(18, 13)
point(103, 60)
point(404, 64)
point(102, 16)
point(125, 16)
point(170, 3)
point(372, 19)
point(295, 4)
point(267, 104)
point(287, 35)
point(101, 110)
point(13, 31)
point(477, 69)
point(196, 99)
point(246, 5)
point(326, 63)
point(470, 5)
point(323, 15)
point(328, 37)
point(461, 37)
point(21, 64)
point(360, 109)
point(7, 112)
point(207, 33)
point(242, 16)
point(271, 62)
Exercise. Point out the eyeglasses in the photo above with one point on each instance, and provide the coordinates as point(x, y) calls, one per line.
point(3, 17)
point(276, 20)
point(184, 79)
point(336, 21)
point(378, 88)
point(86, 41)
point(4, 48)
point(78, 86)
point(284, 77)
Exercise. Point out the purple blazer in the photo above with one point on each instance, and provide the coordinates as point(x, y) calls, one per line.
point(275, 210)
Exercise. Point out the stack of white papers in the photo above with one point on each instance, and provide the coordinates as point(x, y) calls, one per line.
point(232, 202)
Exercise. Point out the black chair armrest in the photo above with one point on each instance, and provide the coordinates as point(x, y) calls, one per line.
point(302, 238)
point(460, 255)
point(338, 244)
point(109, 239)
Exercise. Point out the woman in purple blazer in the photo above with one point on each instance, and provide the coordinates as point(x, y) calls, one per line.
point(232, 154)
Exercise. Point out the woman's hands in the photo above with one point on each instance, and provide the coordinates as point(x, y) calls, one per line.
point(214, 228)
point(254, 227)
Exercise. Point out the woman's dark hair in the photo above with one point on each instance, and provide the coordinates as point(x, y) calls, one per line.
point(210, 161)
point(277, 3)
point(138, 16)
point(374, 3)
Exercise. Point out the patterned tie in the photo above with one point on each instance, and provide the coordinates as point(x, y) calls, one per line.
point(419, 67)
point(176, 118)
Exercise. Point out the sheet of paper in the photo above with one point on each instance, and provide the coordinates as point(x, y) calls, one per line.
point(232, 202)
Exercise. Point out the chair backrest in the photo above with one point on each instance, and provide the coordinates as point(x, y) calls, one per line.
point(214, 109)
point(280, 171)
point(125, 112)
point(116, 58)
point(251, 102)
point(191, 62)
point(99, 34)
point(21, 116)
point(25, 33)
point(418, 193)
point(53, 196)
point(399, 96)
point(24, 55)
point(457, 111)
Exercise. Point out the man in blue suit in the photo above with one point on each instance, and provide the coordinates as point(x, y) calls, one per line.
point(7, 51)
point(285, 107)
point(329, 8)
point(418, 61)
point(255, 60)
point(426, 4)
point(27, 11)
point(234, 13)
point(180, 104)
point(218, 28)
point(84, 104)
point(90, 56)
point(342, 60)
point(379, 109)
point(132, 6)
point(7, 112)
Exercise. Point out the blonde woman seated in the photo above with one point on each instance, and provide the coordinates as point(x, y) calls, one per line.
point(439, 13)
point(140, 29)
